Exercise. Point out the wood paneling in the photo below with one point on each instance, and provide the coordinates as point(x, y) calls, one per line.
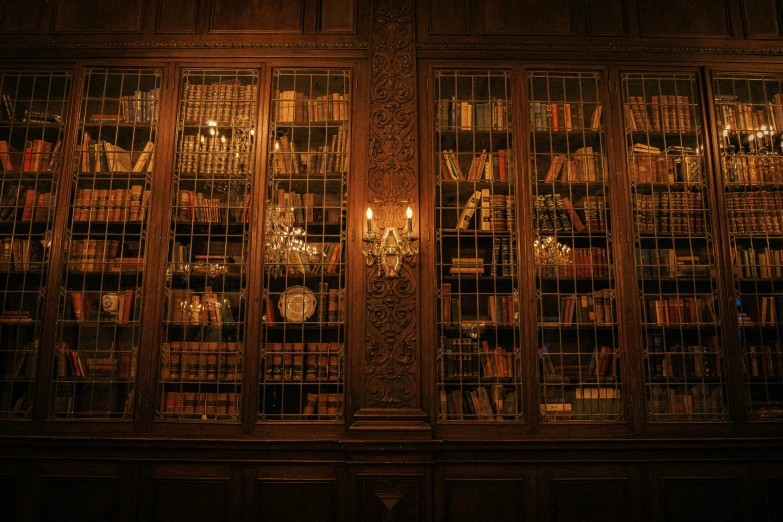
point(761, 18)
point(448, 17)
point(393, 499)
point(484, 500)
point(774, 498)
point(178, 500)
point(259, 16)
point(336, 16)
point(609, 500)
point(526, 17)
point(7, 494)
point(297, 500)
point(713, 499)
point(176, 16)
point(606, 17)
point(98, 16)
point(78, 499)
point(678, 18)
point(20, 16)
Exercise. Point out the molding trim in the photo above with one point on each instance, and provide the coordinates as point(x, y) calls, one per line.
point(610, 48)
point(182, 45)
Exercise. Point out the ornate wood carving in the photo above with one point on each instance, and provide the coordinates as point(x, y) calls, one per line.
point(184, 45)
point(391, 358)
point(610, 48)
point(393, 499)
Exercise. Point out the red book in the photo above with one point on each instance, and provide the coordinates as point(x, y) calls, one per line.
point(28, 155)
point(29, 202)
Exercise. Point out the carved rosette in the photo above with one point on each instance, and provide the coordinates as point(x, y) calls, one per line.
point(391, 351)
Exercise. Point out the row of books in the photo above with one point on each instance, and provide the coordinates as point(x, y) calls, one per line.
point(496, 212)
point(594, 308)
point(20, 254)
point(563, 116)
point(654, 263)
point(764, 361)
point(16, 317)
point(312, 361)
point(769, 312)
point(215, 155)
point(98, 255)
point(227, 102)
point(755, 212)
point(556, 213)
point(763, 263)
point(199, 403)
point(139, 107)
point(587, 403)
point(13, 113)
point(750, 117)
point(301, 209)
point(110, 205)
point(98, 156)
point(320, 258)
point(184, 261)
point(210, 361)
point(582, 165)
point(323, 405)
point(752, 169)
point(580, 263)
point(670, 212)
point(488, 166)
point(501, 309)
point(677, 361)
point(700, 401)
point(499, 403)
point(39, 156)
point(674, 165)
point(320, 160)
point(296, 107)
point(106, 363)
point(467, 115)
point(114, 306)
point(663, 113)
point(34, 205)
point(208, 307)
point(603, 363)
point(679, 310)
point(195, 207)
point(464, 360)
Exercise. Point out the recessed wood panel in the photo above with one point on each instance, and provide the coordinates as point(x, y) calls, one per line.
point(390, 498)
point(448, 17)
point(98, 16)
point(606, 17)
point(260, 16)
point(7, 494)
point(761, 17)
point(678, 18)
point(295, 501)
point(774, 499)
point(20, 16)
point(336, 16)
point(191, 500)
point(176, 16)
point(484, 501)
point(526, 17)
point(78, 499)
point(608, 501)
point(713, 499)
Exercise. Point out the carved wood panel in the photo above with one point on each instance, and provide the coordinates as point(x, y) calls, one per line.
point(448, 17)
point(761, 18)
point(183, 500)
point(606, 17)
point(257, 16)
point(98, 16)
point(176, 16)
point(485, 500)
point(72, 499)
point(291, 501)
point(391, 358)
point(526, 17)
point(390, 499)
point(337, 16)
point(20, 16)
point(774, 486)
point(714, 499)
point(678, 18)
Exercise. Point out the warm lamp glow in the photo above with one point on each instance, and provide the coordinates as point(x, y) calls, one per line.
point(409, 213)
point(212, 123)
point(369, 213)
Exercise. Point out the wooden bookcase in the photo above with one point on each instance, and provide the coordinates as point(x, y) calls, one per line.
point(32, 129)
point(675, 248)
point(304, 321)
point(98, 330)
point(202, 347)
point(578, 348)
point(749, 119)
point(478, 313)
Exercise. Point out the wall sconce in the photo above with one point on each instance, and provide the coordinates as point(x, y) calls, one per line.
point(390, 246)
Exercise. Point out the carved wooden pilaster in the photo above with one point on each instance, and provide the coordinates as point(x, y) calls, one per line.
point(392, 356)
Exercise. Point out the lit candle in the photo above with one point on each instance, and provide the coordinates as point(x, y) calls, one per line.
point(409, 215)
point(369, 221)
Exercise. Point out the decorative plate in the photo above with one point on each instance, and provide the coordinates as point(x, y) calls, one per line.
point(297, 304)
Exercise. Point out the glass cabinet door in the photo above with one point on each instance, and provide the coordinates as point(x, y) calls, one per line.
point(305, 271)
point(102, 286)
point(684, 373)
point(479, 350)
point(749, 116)
point(202, 348)
point(576, 330)
point(33, 113)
